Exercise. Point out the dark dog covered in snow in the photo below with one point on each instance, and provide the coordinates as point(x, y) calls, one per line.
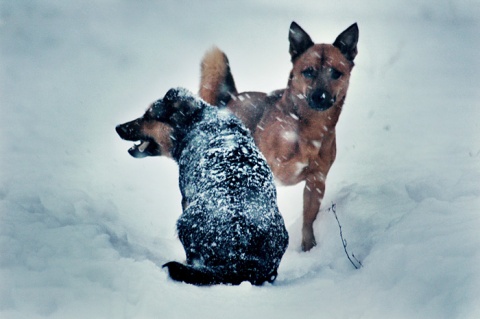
point(230, 228)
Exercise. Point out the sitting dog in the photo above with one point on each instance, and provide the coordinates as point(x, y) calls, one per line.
point(230, 227)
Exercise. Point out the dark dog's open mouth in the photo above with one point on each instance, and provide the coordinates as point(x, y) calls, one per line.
point(138, 149)
point(144, 149)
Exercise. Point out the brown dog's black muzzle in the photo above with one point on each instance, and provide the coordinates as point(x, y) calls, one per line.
point(321, 100)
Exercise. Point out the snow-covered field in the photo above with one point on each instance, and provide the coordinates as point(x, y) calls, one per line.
point(84, 227)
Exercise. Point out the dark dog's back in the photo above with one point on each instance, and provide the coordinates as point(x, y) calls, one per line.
point(231, 228)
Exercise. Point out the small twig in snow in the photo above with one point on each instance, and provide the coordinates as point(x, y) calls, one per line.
point(344, 241)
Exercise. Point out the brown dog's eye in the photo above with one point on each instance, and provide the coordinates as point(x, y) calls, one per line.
point(309, 73)
point(336, 74)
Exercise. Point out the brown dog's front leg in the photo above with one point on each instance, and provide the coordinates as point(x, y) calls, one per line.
point(312, 198)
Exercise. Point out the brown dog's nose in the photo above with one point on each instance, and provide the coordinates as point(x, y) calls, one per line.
point(321, 100)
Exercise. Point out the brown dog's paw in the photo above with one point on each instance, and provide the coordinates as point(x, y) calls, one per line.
point(308, 243)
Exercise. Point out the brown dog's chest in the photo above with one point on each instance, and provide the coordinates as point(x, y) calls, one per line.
point(295, 148)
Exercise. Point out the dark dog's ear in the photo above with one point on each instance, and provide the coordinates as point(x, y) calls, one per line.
point(162, 109)
point(179, 98)
point(347, 41)
point(171, 96)
point(300, 41)
point(181, 107)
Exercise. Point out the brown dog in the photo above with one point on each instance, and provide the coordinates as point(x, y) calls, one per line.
point(294, 127)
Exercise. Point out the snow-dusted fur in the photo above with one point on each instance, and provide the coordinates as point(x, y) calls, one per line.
point(230, 228)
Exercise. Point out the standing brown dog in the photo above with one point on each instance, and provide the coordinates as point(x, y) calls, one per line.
point(294, 127)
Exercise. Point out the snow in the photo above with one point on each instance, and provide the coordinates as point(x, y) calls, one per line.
point(85, 227)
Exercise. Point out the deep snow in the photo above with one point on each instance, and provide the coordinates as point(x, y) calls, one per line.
point(84, 227)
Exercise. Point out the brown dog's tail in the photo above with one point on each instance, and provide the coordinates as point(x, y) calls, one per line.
point(216, 83)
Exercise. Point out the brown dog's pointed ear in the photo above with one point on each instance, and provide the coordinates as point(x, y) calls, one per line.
point(300, 41)
point(347, 41)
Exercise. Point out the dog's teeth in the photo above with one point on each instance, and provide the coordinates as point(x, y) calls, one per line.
point(143, 146)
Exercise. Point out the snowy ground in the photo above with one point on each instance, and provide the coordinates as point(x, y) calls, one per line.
point(84, 227)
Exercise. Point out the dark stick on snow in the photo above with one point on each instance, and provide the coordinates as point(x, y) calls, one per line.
point(344, 241)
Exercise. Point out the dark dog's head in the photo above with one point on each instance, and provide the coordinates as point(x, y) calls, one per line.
point(321, 72)
point(163, 118)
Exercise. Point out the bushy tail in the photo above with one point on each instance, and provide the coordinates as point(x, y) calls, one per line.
point(216, 82)
point(203, 276)
point(192, 275)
